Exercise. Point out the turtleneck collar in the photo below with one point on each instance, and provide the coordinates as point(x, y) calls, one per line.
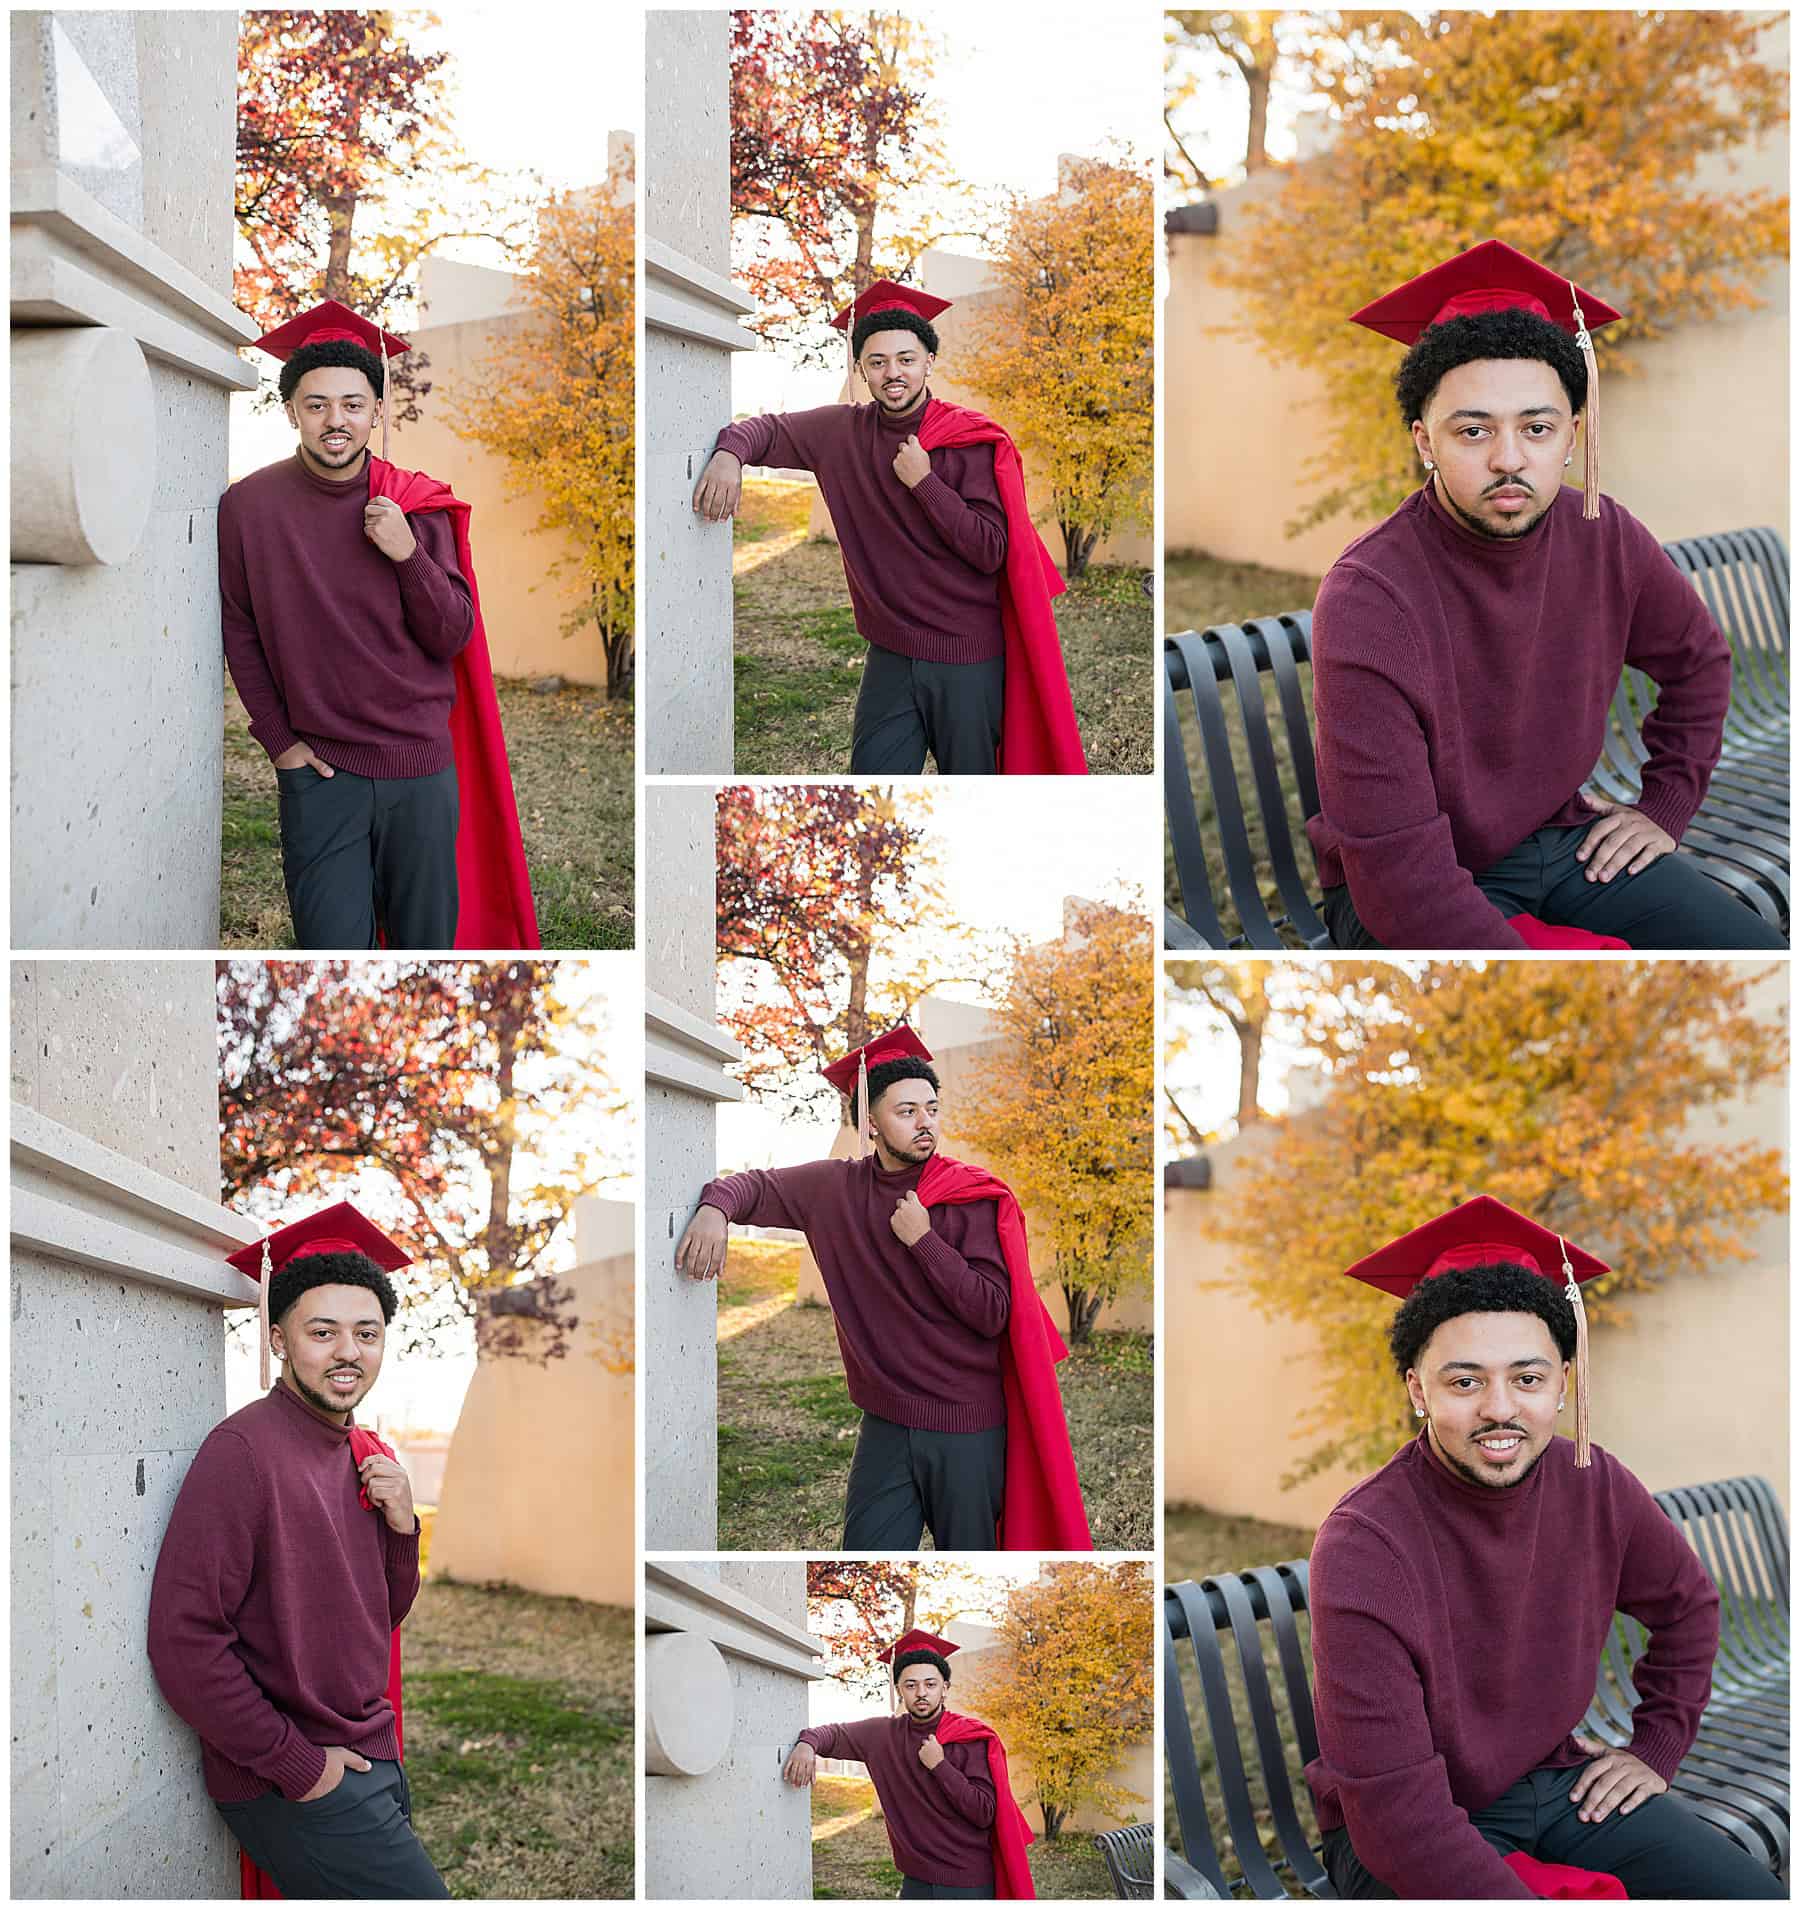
point(332, 487)
point(899, 1179)
point(1496, 551)
point(922, 1727)
point(329, 1430)
point(901, 427)
point(1493, 1502)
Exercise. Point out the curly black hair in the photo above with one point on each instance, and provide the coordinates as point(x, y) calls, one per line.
point(906, 1068)
point(330, 351)
point(1512, 333)
point(1493, 1287)
point(894, 319)
point(330, 1270)
point(920, 1658)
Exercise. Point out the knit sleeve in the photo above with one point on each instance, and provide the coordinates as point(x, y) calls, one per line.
point(202, 1574)
point(1376, 1750)
point(1376, 788)
point(244, 655)
point(770, 1196)
point(853, 1741)
point(786, 440)
point(1663, 1585)
point(967, 514)
point(1676, 644)
point(400, 1563)
point(434, 594)
point(968, 1788)
point(972, 1280)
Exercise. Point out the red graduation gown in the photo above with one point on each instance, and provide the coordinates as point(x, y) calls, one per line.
point(1011, 1834)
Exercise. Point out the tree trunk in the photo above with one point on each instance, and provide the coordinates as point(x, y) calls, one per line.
point(1053, 1821)
point(340, 210)
point(1250, 1040)
point(1084, 1304)
point(1256, 156)
point(1078, 547)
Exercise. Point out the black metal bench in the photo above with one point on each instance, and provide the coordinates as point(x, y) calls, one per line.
point(1130, 1859)
point(1740, 834)
point(1735, 1777)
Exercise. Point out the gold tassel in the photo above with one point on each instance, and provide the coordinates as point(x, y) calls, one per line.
point(262, 1313)
point(1590, 431)
point(862, 1105)
point(1583, 1442)
point(386, 408)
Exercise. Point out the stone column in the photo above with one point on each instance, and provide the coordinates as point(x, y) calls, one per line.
point(119, 1283)
point(691, 313)
point(685, 1057)
point(727, 1659)
point(124, 355)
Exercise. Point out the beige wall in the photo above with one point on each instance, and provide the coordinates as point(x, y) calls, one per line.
point(538, 1486)
point(1695, 441)
point(1693, 1387)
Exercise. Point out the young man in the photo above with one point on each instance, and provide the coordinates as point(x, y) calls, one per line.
point(940, 1778)
point(950, 583)
point(291, 1557)
point(946, 1345)
point(1466, 652)
point(1461, 1597)
point(353, 633)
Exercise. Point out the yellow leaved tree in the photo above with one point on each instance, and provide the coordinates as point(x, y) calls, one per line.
point(1063, 1112)
point(555, 398)
point(1573, 1091)
point(1591, 140)
point(1074, 1694)
point(1064, 355)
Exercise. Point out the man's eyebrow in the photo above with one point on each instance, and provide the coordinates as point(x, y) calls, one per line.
point(1475, 1366)
point(325, 1319)
point(1529, 411)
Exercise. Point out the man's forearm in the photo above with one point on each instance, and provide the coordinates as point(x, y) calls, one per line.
point(977, 538)
point(973, 1802)
point(434, 595)
point(400, 1561)
point(976, 1298)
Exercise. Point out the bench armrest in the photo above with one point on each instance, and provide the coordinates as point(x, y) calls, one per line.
point(1181, 1879)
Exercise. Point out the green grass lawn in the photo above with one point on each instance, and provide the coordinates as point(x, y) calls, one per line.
point(572, 761)
point(799, 659)
point(857, 1862)
point(1199, 591)
point(787, 1430)
point(519, 1741)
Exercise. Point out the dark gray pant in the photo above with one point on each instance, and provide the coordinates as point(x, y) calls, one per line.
point(1660, 1850)
point(355, 1841)
point(1671, 904)
point(961, 1892)
point(357, 852)
point(903, 1480)
point(906, 708)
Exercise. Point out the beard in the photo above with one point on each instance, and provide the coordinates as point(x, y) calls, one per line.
point(1476, 1478)
point(325, 1402)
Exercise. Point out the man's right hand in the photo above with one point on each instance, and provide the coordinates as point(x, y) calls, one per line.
point(721, 484)
point(337, 1762)
point(701, 1253)
point(802, 1765)
point(302, 757)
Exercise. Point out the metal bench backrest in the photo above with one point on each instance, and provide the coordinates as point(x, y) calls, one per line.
point(1130, 1859)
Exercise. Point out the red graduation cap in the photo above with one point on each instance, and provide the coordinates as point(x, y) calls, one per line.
point(917, 1641)
point(340, 1228)
point(325, 322)
point(885, 295)
point(1496, 277)
point(850, 1076)
point(1478, 1233)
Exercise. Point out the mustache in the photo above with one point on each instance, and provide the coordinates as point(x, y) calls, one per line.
point(1510, 484)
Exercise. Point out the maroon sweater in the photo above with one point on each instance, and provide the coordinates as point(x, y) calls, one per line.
point(919, 1327)
point(331, 643)
point(1457, 1632)
point(274, 1601)
point(938, 1821)
point(1461, 686)
point(923, 565)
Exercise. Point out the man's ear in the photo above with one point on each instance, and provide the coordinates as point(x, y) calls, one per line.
point(1415, 1392)
point(278, 1342)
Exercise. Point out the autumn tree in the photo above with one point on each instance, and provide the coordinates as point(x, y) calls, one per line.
point(1245, 44)
point(1065, 353)
point(1587, 139)
point(1063, 1111)
point(349, 171)
point(1075, 1693)
point(832, 925)
point(835, 161)
point(555, 398)
point(1237, 992)
point(475, 1089)
point(1573, 1091)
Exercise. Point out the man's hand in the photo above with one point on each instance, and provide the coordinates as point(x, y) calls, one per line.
point(337, 1762)
point(721, 485)
point(931, 1752)
point(389, 1490)
point(300, 756)
point(1622, 840)
point(911, 1221)
point(911, 462)
point(1614, 1778)
point(701, 1252)
point(385, 526)
point(802, 1766)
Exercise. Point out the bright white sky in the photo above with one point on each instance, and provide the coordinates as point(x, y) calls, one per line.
point(426, 1390)
point(1018, 87)
point(1011, 851)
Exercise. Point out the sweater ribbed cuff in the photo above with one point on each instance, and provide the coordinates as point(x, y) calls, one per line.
point(400, 1548)
point(273, 734)
point(1668, 808)
point(296, 1768)
point(1661, 1746)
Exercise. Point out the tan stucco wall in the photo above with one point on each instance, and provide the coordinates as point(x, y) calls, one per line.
point(1694, 1388)
point(1695, 441)
point(538, 1487)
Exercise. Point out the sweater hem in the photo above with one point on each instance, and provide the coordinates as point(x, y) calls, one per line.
point(231, 1783)
point(925, 1415)
point(932, 646)
point(391, 763)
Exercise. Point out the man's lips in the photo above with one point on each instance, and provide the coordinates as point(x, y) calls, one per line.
point(1499, 1445)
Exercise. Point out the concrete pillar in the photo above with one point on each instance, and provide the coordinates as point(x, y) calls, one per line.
point(124, 355)
point(691, 312)
point(685, 1057)
point(119, 1282)
point(727, 1661)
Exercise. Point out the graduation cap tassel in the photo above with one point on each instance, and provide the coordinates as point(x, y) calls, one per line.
point(386, 408)
point(1583, 1442)
point(1590, 427)
point(862, 1106)
point(262, 1313)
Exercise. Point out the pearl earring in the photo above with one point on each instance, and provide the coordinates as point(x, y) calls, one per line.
point(1429, 465)
point(1418, 1412)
